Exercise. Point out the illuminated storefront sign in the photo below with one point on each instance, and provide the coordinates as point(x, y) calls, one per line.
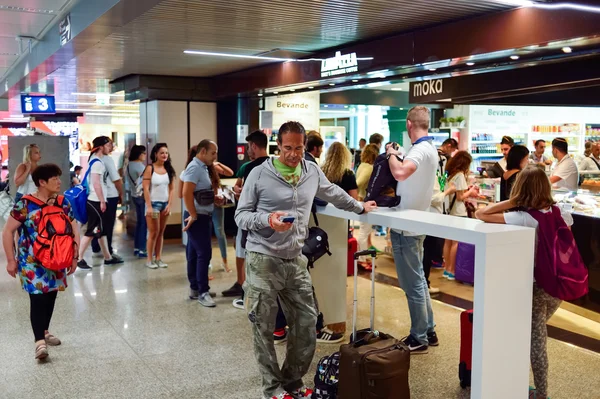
point(339, 65)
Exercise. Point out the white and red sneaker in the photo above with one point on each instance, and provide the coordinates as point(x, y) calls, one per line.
point(302, 393)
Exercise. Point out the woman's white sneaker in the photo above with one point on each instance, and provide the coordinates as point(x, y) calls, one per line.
point(151, 265)
point(161, 264)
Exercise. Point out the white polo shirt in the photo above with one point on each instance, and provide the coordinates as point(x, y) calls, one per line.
point(566, 169)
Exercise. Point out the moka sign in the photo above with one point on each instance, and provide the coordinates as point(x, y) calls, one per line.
point(339, 65)
point(425, 91)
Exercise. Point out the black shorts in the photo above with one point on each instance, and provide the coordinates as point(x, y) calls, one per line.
point(96, 220)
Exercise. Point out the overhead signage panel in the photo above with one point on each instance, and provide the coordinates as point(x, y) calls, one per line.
point(64, 29)
point(37, 104)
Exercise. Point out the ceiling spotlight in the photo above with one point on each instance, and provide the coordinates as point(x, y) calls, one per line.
point(260, 94)
point(470, 63)
point(354, 80)
point(432, 69)
point(275, 92)
point(514, 57)
point(331, 84)
point(292, 89)
point(325, 106)
point(567, 50)
point(311, 87)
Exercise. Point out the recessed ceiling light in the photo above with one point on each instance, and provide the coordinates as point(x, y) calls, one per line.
point(401, 109)
point(514, 57)
point(470, 63)
point(260, 94)
point(432, 69)
point(354, 80)
point(292, 89)
point(275, 92)
point(251, 57)
point(567, 50)
point(396, 89)
point(311, 87)
point(331, 84)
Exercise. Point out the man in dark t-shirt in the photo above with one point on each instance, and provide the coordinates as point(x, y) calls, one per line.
point(257, 152)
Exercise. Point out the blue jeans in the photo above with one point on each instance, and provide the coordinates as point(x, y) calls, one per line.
point(218, 219)
point(408, 256)
point(141, 229)
point(199, 253)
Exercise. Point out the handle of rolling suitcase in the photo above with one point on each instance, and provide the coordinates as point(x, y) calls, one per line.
point(357, 255)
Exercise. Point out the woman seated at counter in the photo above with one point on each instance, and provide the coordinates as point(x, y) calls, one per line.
point(517, 159)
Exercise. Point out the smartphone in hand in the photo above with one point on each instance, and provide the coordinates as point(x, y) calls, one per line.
point(287, 219)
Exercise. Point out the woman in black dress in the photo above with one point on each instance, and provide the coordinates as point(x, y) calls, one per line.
point(518, 158)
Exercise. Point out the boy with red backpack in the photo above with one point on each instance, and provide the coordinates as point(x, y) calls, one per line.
point(47, 252)
point(559, 271)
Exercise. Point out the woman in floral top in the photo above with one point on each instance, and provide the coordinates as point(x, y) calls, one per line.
point(41, 284)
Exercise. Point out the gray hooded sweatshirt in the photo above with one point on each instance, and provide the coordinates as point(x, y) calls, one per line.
point(265, 191)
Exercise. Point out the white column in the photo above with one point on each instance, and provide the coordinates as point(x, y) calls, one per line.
point(502, 316)
point(167, 122)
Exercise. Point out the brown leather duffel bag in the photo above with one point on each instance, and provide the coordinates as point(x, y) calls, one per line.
point(375, 367)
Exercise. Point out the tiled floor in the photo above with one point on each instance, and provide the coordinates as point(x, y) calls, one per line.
point(131, 332)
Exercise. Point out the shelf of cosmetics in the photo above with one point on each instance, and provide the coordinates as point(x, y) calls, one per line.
point(584, 201)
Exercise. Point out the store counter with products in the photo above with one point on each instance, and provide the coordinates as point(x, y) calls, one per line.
point(584, 206)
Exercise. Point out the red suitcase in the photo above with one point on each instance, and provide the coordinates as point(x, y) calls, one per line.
point(352, 249)
point(466, 348)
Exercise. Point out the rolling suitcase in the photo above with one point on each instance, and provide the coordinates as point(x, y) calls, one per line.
point(374, 364)
point(352, 248)
point(466, 348)
point(465, 263)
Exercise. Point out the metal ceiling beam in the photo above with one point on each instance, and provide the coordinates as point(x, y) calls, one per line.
point(91, 22)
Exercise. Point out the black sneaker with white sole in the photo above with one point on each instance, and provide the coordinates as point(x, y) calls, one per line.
point(114, 260)
point(83, 265)
point(326, 336)
point(432, 338)
point(235, 290)
point(415, 347)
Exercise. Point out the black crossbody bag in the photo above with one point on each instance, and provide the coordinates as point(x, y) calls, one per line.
point(316, 244)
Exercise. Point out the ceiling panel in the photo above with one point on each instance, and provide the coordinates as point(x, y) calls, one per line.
point(53, 5)
point(154, 42)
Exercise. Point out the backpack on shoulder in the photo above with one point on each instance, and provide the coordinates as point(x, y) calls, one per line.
point(78, 196)
point(55, 246)
point(382, 184)
point(559, 269)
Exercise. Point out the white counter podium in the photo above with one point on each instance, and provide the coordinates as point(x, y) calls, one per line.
point(503, 289)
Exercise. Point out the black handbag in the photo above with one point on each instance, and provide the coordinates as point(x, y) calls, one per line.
point(316, 244)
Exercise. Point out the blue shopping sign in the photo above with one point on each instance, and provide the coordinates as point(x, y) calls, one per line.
point(37, 104)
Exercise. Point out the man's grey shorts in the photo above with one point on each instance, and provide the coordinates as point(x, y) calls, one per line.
point(239, 251)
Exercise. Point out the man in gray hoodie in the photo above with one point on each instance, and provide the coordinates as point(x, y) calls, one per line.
point(275, 266)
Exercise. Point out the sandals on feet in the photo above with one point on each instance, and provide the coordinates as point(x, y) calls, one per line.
point(52, 340)
point(41, 352)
